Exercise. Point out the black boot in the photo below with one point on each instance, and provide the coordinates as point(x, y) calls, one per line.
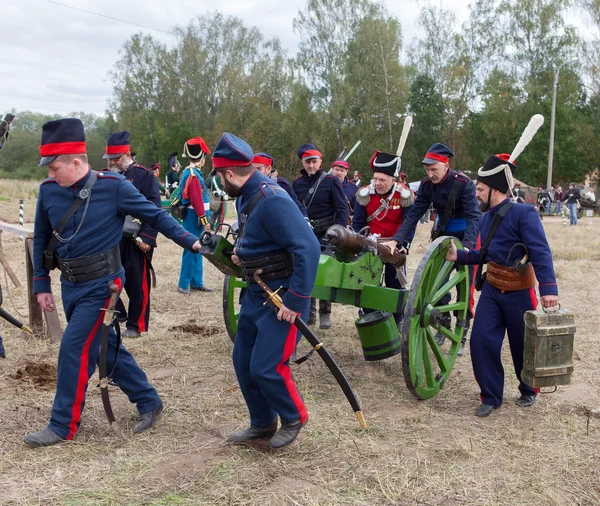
point(252, 433)
point(324, 314)
point(525, 401)
point(45, 437)
point(312, 315)
point(287, 434)
point(147, 420)
point(461, 348)
point(485, 410)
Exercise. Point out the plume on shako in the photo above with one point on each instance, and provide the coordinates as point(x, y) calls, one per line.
point(498, 170)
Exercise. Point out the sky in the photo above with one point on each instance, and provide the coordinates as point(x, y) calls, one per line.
point(56, 59)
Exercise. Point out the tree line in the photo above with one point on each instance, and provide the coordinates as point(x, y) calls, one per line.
point(472, 85)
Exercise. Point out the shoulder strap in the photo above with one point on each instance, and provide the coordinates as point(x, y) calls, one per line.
point(496, 220)
point(449, 207)
point(249, 207)
point(81, 196)
point(313, 191)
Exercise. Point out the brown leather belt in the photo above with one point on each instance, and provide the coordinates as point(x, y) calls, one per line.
point(503, 278)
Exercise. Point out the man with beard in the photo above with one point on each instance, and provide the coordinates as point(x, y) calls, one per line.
point(194, 196)
point(453, 197)
point(326, 204)
point(339, 169)
point(516, 251)
point(137, 246)
point(382, 205)
point(274, 237)
point(265, 164)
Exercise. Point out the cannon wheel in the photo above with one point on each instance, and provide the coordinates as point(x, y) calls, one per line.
point(231, 307)
point(426, 365)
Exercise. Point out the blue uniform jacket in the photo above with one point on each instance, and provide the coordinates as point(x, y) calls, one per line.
point(112, 198)
point(275, 224)
point(466, 211)
point(329, 200)
point(140, 177)
point(520, 225)
point(285, 184)
point(350, 190)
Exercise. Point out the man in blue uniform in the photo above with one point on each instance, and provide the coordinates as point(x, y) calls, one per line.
point(195, 199)
point(86, 251)
point(264, 163)
point(326, 204)
point(507, 291)
point(275, 237)
point(137, 246)
point(339, 169)
point(453, 197)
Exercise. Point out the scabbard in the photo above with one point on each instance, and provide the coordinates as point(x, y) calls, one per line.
point(11, 319)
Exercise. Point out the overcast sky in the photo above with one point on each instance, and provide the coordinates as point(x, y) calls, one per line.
point(55, 59)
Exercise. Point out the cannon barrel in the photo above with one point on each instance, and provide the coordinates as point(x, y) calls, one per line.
point(348, 241)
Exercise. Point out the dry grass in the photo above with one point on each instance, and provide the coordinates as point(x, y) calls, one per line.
point(414, 453)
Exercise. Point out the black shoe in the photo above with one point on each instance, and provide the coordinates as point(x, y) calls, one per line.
point(45, 437)
point(252, 433)
point(485, 410)
point(287, 434)
point(312, 318)
point(131, 333)
point(201, 289)
point(147, 420)
point(461, 348)
point(324, 321)
point(525, 401)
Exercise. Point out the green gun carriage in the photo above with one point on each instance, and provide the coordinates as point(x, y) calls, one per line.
point(353, 278)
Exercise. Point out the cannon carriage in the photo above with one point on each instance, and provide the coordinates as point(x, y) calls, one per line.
point(349, 273)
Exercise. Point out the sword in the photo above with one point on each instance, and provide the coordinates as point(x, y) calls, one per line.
point(102, 365)
point(317, 345)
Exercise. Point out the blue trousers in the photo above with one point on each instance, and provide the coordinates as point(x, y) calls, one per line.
point(499, 313)
point(572, 213)
point(78, 356)
point(263, 347)
point(191, 263)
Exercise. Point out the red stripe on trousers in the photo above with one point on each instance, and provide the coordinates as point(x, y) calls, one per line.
point(83, 378)
point(284, 371)
point(142, 319)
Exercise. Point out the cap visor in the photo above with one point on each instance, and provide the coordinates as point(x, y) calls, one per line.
point(311, 157)
point(110, 157)
point(47, 159)
point(428, 161)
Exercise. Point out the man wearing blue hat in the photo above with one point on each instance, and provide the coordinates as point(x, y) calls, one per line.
point(265, 164)
point(453, 197)
point(78, 227)
point(139, 239)
point(326, 205)
point(516, 252)
point(275, 237)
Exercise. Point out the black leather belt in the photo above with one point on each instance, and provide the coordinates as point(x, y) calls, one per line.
point(278, 265)
point(78, 270)
point(322, 224)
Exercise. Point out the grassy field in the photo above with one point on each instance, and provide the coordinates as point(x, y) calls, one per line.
point(414, 453)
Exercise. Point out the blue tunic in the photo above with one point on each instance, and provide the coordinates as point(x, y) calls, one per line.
point(147, 185)
point(285, 184)
point(464, 219)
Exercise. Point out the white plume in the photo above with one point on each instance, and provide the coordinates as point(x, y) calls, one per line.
point(534, 124)
point(405, 130)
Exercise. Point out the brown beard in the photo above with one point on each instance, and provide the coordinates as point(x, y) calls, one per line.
point(231, 189)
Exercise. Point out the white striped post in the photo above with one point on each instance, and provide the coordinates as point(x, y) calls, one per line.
point(21, 215)
point(562, 212)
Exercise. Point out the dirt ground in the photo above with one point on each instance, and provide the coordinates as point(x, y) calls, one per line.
point(413, 453)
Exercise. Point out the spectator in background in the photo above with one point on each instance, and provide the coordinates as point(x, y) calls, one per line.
point(558, 196)
point(572, 198)
point(550, 200)
point(155, 169)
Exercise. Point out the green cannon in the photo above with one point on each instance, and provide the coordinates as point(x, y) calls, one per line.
point(350, 273)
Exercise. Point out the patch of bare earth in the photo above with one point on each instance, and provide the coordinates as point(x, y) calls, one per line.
point(413, 453)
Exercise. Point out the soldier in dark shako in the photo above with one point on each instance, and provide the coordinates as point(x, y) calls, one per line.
point(265, 164)
point(326, 204)
point(275, 237)
point(87, 253)
point(453, 197)
point(139, 239)
point(381, 206)
point(508, 289)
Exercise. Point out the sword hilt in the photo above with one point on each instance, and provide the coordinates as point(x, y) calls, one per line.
point(274, 296)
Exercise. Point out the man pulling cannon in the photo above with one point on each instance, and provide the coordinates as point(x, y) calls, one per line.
point(516, 251)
